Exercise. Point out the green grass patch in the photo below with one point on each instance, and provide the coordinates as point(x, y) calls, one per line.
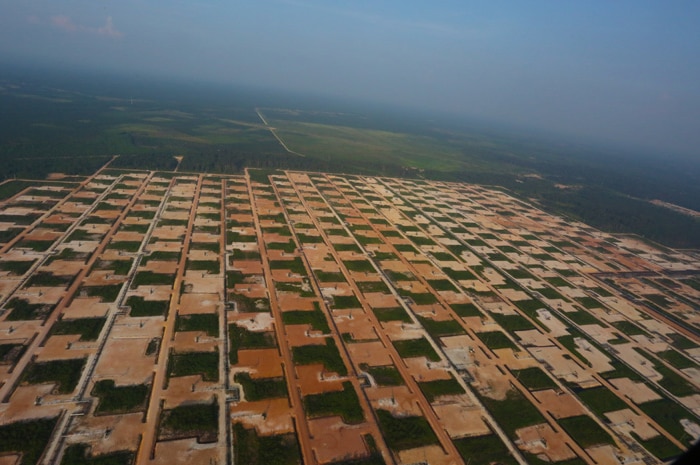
point(409, 348)
point(191, 420)
point(78, 454)
point(122, 399)
point(329, 277)
point(512, 323)
point(29, 438)
point(315, 318)
point(674, 383)
point(107, 293)
point(118, 267)
point(251, 449)
point(441, 328)
point(287, 247)
point(628, 328)
point(484, 450)
point(149, 278)
point(392, 314)
point(601, 400)
point(345, 301)
point(585, 431)
point(386, 375)
point(681, 342)
point(16, 267)
point(22, 310)
point(344, 403)
point(295, 265)
point(206, 322)
point(347, 248)
point(513, 412)
point(441, 387)
point(206, 246)
point(372, 286)
point(259, 389)
point(37, 246)
point(589, 302)
point(241, 338)
point(326, 354)
point(459, 275)
point(125, 246)
point(668, 415)
point(676, 359)
point(45, 278)
point(466, 310)
point(160, 256)
point(65, 373)
point(141, 307)
point(210, 266)
point(659, 446)
point(405, 432)
point(495, 340)
point(205, 364)
point(359, 266)
point(534, 379)
point(419, 298)
point(442, 285)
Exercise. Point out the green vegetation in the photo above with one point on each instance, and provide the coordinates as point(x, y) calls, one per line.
point(14, 438)
point(125, 246)
point(241, 338)
point(315, 318)
point(251, 449)
point(88, 328)
point(668, 415)
point(676, 359)
point(496, 340)
point(329, 277)
point(409, 348)
point(442, 285)
point(107, 293)
point(78, 454)
point(64, 373)
point(585, 431)
point(205, 322)
point(484, 450)
point(21, 310)
point(141, 307)
point(118, 267)
point(344, 403)
point(674, 383)
point(295, 266)
point(405, 432)
point(441, 328)
point(210, 266)
point(16, 267)
point(345, 301)
point(601, 400)
point(421, 298)
point(442, 387)
point(384, 375)
point(45, 278)
point(392, 314)
point(259, 389)
point(191, 420)
point(372, 286)
point(359, 266)
point(326, 354)
point(659, 446)
point(534, 379)
point(681, 342)
point(160, 256)
point(149, 278)
point(122, 399)
point(628, 328)
point(205, 364)
point(512, 323)
point(514, 412)
point(466, 310)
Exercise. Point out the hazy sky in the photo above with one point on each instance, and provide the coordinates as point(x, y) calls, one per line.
point(623, 70)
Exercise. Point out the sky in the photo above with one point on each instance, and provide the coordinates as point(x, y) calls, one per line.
point(623, 71)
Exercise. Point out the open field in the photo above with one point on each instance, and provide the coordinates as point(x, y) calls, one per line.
point(329, 319)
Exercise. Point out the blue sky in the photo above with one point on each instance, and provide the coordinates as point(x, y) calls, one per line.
point(626, 71)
